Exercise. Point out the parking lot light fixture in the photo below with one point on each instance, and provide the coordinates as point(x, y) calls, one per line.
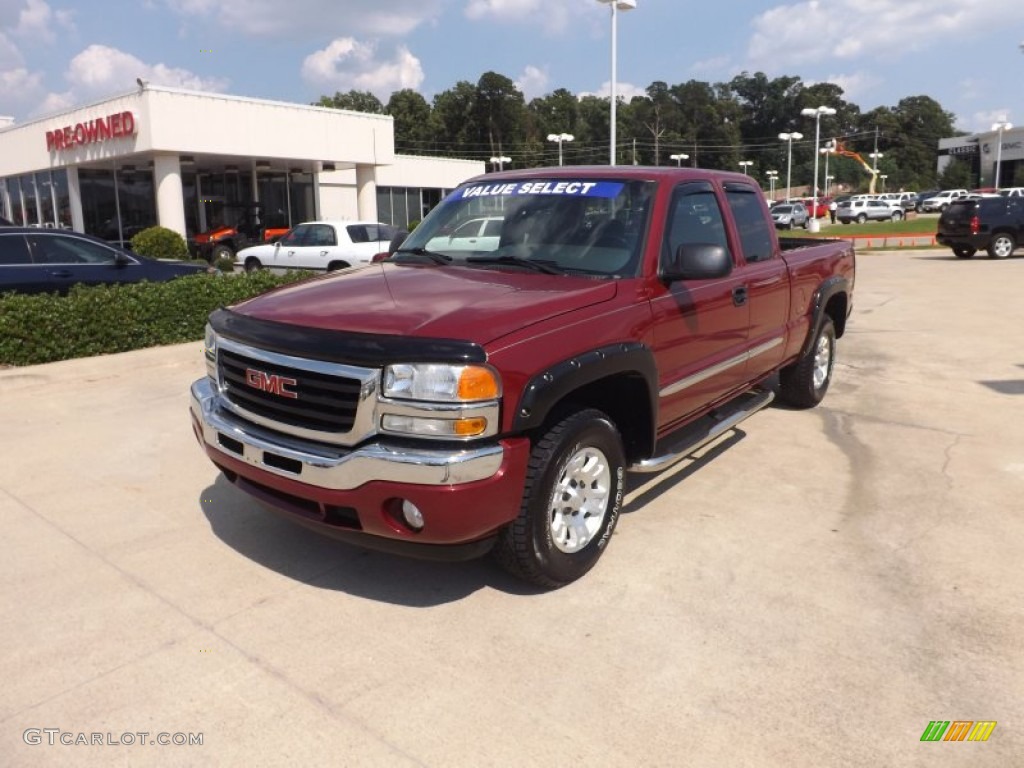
point(816, 113)
point(500, 162)
point(772, 178)
point(745, 165)
point(679, 158)
point(560, 137)
point(883, 177)
point(616, 6)
point(1000, 126)
point(788, 138)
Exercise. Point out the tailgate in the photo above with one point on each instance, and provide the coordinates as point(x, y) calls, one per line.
point(956, 219)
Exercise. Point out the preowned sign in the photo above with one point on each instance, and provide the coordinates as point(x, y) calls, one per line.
point(91, 132)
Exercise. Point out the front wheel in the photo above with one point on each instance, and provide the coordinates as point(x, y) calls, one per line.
point(221, 252)
point(252, 264)
point(804, 383)
point(1002, 245)
point(861, 218)
point(571, 502)
point(897, 215)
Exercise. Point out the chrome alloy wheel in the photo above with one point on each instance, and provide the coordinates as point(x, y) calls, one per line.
point(822, 361)
point(1002, 247)
point(579, 501)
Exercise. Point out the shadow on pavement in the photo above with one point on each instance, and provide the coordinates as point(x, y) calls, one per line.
point(274, 542)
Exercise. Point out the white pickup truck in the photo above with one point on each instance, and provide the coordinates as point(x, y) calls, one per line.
point(942, 200)
point(320, 245)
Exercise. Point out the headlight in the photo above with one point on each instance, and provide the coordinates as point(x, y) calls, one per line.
point(210, 352)
point(444, 383)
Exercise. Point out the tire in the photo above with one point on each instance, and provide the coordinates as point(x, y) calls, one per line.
point(221, 252)
point(845, 221)
point(963, 252)
point(252, 264)
point(804, 383)
point(807, 223)
point(790, 225)
point(861, 218)
point(336, 265)
point(1002, 245)
point(943, 207)
point(897, 215)
point(552, 548)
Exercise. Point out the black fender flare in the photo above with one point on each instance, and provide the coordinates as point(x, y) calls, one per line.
point(829, 288)
point(552, 385)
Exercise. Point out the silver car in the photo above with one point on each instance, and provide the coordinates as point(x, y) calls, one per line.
point(866, 210)
point(790, 215)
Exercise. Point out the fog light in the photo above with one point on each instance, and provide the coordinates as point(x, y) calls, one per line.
point(413, 516)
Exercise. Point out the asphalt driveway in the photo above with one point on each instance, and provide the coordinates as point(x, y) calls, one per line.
point(812, 591)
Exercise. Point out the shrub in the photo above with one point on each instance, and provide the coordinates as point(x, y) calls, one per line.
point(412, 225)
point(96, 320)
point(160, 243)
point(225, 264)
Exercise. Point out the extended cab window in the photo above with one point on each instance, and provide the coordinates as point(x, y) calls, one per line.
point(751, 222)
point(694, 217)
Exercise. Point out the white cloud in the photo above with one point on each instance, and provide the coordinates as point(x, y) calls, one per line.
point(100, 70)
point(815, 30)
point(983, 121)
point(624, 91)
point(37, 21)
point(533, 82)
point(10, 56)
point(855, 85)
point(300, 18)
point(348, 63)
point(553, 15)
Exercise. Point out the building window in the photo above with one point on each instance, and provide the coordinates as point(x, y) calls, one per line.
point(29, 200)
point(17, 208)
point(59, 180)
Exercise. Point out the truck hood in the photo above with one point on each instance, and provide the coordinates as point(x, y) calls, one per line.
point(215, 234)
point(478, 305)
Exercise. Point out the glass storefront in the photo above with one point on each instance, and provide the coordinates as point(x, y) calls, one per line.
point(37, 200)
point(400, 205)
point(117, 212)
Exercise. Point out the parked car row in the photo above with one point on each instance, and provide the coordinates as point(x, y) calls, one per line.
point(320, 245)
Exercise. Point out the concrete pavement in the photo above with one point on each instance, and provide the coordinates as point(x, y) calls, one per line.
point(811, 592)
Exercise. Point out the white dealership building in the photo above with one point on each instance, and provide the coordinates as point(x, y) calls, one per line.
point(192, 160)
point(981, 151)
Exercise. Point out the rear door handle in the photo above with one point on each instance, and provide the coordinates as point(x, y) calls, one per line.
point(60, 273)
point(739, 295)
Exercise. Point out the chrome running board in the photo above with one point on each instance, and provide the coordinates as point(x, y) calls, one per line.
point(704, 430)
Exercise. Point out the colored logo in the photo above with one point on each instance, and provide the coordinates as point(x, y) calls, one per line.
point(958, 730)
point(271, 383)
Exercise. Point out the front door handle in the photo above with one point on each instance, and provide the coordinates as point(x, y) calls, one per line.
point(739, 295)
point(60, 273)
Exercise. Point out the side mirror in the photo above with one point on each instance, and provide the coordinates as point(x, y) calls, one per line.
point(121, 259)
point(397, 240)
point(697, 261)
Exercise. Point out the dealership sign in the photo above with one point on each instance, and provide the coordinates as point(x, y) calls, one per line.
point(91, 132)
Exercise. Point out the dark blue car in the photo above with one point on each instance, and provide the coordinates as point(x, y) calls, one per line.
point(52, 260)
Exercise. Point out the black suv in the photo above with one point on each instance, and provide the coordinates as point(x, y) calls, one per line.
point(995, 224)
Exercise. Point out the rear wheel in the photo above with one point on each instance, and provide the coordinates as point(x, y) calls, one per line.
point(1002, 245)
point(221, 252)
point(804, 383)
point(570, 504)
point(963, 252)
point(897, 215)
point(861, 218)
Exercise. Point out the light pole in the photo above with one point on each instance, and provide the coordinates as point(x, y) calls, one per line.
point(679, 158)
point(875, 157)
point(772, 178)
point(788, 138)
point(616, 6)
point(500, 162)
point(827, 150)
point(560, 137)
point(1000, 126)
point(745, 164)
point(816, 113)
point(883, 177)
point(828, 184)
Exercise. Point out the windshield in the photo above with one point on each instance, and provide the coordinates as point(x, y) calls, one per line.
point(578, 226)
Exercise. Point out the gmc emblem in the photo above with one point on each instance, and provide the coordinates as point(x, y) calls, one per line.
point(272, 383)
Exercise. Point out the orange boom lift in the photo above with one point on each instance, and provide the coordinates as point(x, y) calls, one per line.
point(840, 149)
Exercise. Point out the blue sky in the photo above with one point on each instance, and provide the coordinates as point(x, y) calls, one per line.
point(60, 53)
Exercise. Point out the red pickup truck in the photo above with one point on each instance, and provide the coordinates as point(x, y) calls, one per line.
point(458, 398)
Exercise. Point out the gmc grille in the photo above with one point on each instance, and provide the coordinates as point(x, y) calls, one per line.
point(324, 403)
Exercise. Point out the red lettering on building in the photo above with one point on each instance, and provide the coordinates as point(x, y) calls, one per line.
point(91, 131)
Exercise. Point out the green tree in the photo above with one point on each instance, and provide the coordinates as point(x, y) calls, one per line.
point(357, 101)
point(411, 114)
point(956, 175)
point(452, 119)
point(499, 113)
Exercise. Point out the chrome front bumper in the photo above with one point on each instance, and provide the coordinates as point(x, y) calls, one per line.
point(329, 467)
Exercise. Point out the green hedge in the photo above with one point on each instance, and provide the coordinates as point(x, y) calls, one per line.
point(42, 328)
point(160, 243)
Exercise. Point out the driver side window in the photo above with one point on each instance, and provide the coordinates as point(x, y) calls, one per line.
point(694, 217)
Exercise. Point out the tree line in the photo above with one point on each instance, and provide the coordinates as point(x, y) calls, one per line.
point(716, 125)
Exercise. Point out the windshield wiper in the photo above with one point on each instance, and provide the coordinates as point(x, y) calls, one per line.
point(434, 256)
point(547, 267)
